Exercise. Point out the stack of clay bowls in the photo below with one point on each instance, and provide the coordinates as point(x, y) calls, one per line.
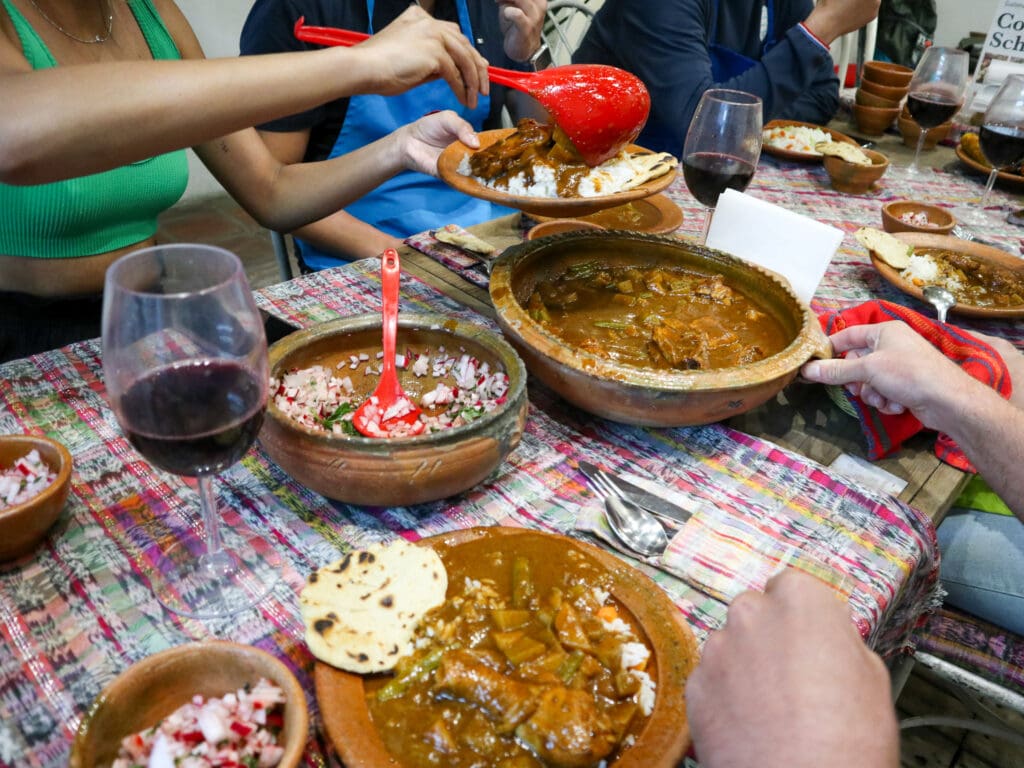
point(883, 86)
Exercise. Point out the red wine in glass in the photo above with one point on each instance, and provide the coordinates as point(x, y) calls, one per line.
point(722, 146)
point(1002, 145)
point(931, 109)
point(709, 174)
point(185, 368)
point(936, 91)
point(194, 419)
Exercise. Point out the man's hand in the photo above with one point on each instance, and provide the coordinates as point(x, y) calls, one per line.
point(894, 369)
point(521, 24)
point(416, 47)
point(421, 142)
point(789, 681)
point(833, 18)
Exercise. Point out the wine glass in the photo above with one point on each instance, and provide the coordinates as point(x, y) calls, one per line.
point(722, 147)
point(936, 91)
point(185, 364)
point(1001, 139)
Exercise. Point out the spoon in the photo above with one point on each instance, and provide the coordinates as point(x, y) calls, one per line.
point(388, 411)
point(637, 528)
point(939, 298)
point(600, 108)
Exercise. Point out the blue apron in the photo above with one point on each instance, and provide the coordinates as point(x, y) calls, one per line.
point(410, 202)
point(727, 63)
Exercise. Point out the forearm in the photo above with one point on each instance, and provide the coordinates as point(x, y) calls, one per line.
point(152, 107)
point(285, 197)
point(990, 431)
point(348, 237)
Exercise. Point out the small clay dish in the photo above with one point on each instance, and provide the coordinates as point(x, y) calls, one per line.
point(885, 91)
point(868, 99)
point(940, 221)
point(856, 179)
point(874, 120)
point(150, 690)
point(910, 131)
point(887, 73)
point(558, 226)
point(24, 525)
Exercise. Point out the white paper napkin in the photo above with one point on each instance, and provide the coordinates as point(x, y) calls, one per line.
point(797, 247)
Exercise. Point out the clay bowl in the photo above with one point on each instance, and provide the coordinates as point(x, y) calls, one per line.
point(868, 99)
point(885, 91)
point(887, 73)
point(940, 220)
point(642, 396)
point(910, 131)
point(392, 473)
point(150, 690)
point(24, 525)
point(856, 179)
point(662, 740)
point(874, 120)
point(558, 226)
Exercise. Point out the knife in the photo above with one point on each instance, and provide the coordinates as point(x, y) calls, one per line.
point(639, 496)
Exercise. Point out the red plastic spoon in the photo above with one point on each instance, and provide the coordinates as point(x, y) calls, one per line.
point(388, 412)
point(600, 108)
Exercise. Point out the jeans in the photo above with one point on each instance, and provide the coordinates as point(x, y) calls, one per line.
point(30, 324)
point(983, 566)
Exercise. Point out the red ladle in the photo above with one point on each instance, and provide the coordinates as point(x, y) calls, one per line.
point(388, 412)
point(600, 108)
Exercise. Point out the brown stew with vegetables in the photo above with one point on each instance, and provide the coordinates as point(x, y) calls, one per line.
point(976, 282)
point(662, 317)
point(529, 663)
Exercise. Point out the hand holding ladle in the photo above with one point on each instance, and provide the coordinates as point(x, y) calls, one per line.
point(600, 108)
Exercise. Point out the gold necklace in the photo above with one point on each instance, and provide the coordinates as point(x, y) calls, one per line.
point(98, 39)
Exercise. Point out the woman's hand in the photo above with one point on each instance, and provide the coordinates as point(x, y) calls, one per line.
point(416, 47)
point(521, 24)
point(421, 142)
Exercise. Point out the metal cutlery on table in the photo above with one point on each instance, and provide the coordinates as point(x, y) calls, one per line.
point(635, 527)
point(965, 234)
point(643, 498)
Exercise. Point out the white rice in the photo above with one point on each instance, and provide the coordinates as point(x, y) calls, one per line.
point(609, 177)
point(924, 270)
point(796, 138)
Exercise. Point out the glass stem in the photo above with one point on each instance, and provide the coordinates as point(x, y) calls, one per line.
point(988, 187)
point(210, 520)
point(708, 213)
point(917, 152)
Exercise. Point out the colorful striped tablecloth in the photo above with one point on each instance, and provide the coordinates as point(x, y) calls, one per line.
point(80, 609)
point(805, 189)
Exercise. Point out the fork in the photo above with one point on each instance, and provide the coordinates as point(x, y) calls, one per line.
point(637, 528)
point(965, 234)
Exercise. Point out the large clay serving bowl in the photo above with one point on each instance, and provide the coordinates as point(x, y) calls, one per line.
point(662, 740)
point(644, 396)
point(391, 473)
point(150, 690)
point(22, 526)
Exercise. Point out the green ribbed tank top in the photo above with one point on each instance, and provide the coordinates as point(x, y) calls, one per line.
point(103, 211)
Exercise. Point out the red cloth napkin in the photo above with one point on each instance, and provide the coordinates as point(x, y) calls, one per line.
point(886, 433)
